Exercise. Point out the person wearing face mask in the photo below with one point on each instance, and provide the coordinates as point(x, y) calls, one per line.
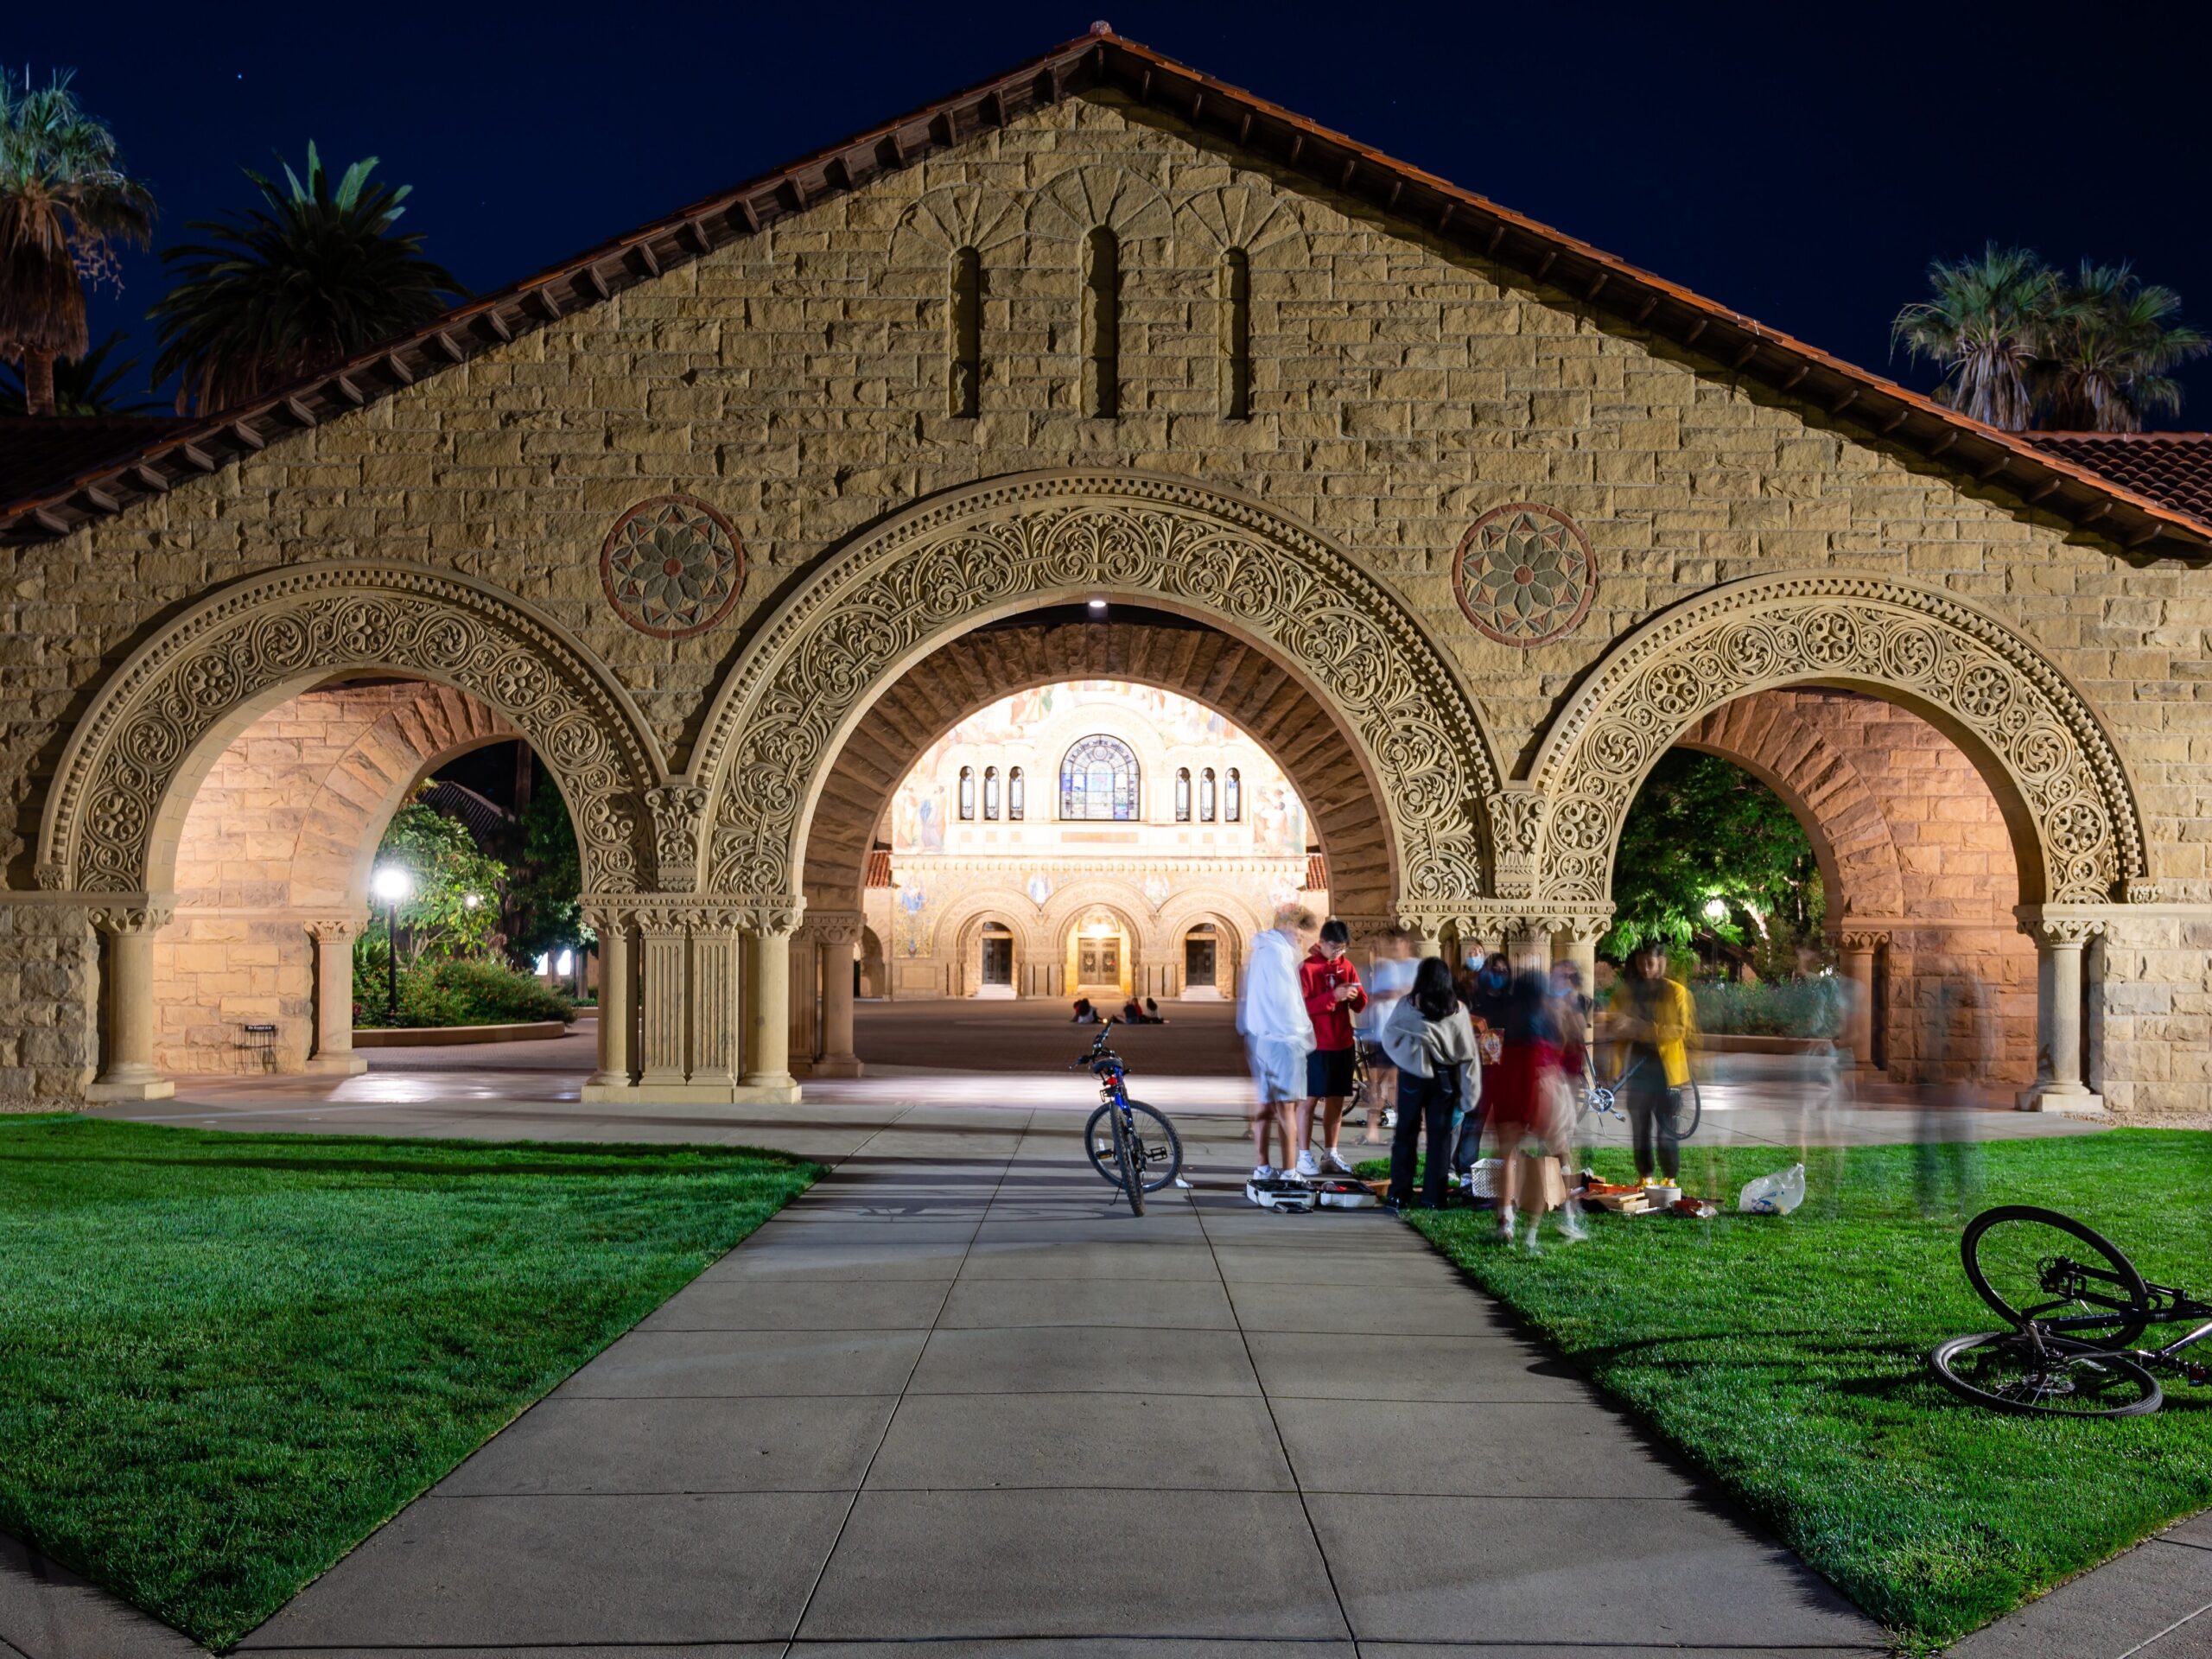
point(1333, 995)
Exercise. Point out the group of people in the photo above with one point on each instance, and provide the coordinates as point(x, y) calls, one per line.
point(1134, 1013)
point(1484, 1054)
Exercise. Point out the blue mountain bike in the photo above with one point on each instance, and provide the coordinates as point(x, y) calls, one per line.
point(1129, 1144)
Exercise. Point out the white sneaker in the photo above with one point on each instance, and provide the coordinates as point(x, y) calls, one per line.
point(1571, 1227)
point(1264, 1171)
point(1308, 1166)
point(1532, 1244)
point(1333, 1161)
point(1505, 1223)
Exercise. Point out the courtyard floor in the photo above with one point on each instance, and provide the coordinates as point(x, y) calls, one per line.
point(954, 1395)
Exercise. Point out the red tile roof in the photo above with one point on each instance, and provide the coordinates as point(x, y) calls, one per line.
point(1830, 390)
point(2172, 468)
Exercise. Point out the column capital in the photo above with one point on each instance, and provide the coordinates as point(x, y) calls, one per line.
point(131, 914)
point(1862, 938)
point(331, 930)
point(837, 926)
point(2062, 927)
point(679, 813)
point(770, 914)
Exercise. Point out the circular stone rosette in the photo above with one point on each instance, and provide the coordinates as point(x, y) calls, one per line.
point(672, 567)
point(1525, 573)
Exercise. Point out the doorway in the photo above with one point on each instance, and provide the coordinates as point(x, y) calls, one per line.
point(1201, 954)
point(997, 977)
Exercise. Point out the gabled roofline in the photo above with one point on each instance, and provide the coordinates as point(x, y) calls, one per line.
point(1741, 346)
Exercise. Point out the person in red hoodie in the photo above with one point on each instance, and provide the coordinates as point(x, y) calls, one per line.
point(1333, 995)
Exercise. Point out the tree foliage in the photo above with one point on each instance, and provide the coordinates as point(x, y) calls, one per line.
point(1701, 830)
point(309, 279)
point(82, 385)
point(453, 912)
point(544, 880)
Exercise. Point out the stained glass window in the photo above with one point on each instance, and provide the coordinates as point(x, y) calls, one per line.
point(1098, 779)
point(1232, 796)
point(967, 793)
point(1205, 796)
point(1182, 794)
point(991, 792)
point(1014, 794)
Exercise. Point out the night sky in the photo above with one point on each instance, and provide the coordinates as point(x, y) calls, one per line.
point(1799, 164)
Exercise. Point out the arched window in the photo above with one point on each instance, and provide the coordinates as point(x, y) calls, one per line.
point(967, 793)
point(991, 792)
point(1232, 796)
point(1102, 308)
point(1205, 796)
point(964, 322)
point(1182, 794)
point(1014, 793)
point(1236, 335)
point(1098, 779)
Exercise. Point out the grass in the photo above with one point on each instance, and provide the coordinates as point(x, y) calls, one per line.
point(225, 1358)
point(1786, 1357)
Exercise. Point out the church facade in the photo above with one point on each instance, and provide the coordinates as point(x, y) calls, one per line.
point(1463, 521)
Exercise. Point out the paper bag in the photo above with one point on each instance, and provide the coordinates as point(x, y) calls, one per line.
point(1543, 1186)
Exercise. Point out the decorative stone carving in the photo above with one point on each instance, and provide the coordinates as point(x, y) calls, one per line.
point(679, 813)
point(672, 567)
point(1853, 939)
point(1930, 648)
point(1516, 830)
point(953, 216)
point(1525, 573)
point(837, 926)
point(330, 929)
point(131, 918)
point(1047, 538)
point(295, 624)
point(2066, 932)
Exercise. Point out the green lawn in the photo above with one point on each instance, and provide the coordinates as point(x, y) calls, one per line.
point(1786, 1357)
point(225, 1358)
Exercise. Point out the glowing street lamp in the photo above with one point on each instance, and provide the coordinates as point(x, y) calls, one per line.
point(391, 883)
point(1716, 910)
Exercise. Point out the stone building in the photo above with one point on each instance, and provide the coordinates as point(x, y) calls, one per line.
point(1092, 838)
point(1465, 521)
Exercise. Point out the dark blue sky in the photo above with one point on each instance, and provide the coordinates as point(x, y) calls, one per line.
point(1799, 164)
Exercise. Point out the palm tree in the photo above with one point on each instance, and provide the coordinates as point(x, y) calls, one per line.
point(82, 385)
point(1985, 326)
point(309, 280)
point(66, 205)
point(2107, 354)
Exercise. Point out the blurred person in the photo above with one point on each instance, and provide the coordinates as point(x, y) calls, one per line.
point(1653, 1015)
point(1524, 1099)
point(1431, 1044)
point(1333, 995)
point(1084, 1013)
point(1485, 992)
point(1389, 977)
point(1824, 1076)
point(1278, 1035)
point(1961, 1050)
point(1151, 1012)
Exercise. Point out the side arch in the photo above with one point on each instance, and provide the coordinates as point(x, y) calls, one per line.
point(180, 698)
point(1035, 540)
point(2057, 774)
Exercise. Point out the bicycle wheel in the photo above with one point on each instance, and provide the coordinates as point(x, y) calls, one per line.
point(1130, 1162)
point(2032, 1264)
point(1691, 1111)
point(1160, 1149)
point(2011, 1370)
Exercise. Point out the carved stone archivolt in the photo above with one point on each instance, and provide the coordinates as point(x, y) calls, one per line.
point(292, 626)
point(1051, 538)
point(1924, 648)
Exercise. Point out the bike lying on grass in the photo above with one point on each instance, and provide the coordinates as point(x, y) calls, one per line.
point(2076, 1306)
point(1130, 1144)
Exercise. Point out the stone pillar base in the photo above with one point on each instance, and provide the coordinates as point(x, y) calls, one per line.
point(695, 1094)
point(837, 1065)
point(336, 1065)
point(101, 1094)
point(2072, 1102)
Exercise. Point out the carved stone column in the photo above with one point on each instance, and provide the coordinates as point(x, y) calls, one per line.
point(2060, 939)
point(767, 1048)
point(617, 1011)
point(714, 1053)
point(664, 988)
point(1855, 958)
point(836, 934)
point(129, 1072)
point(334, 997)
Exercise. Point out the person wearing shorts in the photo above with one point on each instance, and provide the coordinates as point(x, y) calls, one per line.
point(1278, 1033)
point(1333, 995)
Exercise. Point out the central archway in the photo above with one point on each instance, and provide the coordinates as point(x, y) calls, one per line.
point(1038, 540)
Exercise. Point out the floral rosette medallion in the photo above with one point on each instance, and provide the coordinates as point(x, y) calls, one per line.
point(1525, 573)
point(672, 567)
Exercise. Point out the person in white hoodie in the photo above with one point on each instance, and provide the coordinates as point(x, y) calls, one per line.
point(1278, 1033)
point(1430, 1040)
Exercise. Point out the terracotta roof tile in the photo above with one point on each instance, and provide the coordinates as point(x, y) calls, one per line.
point(2173, 468)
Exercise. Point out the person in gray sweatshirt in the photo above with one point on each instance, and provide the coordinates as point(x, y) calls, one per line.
point(1430, 1040)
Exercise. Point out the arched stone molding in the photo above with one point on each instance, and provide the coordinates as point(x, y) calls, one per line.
point(1264, 701)
point(1085, 199)
point(163, 717)
point(2054, 769)
point(990, 550)
point(940, 222)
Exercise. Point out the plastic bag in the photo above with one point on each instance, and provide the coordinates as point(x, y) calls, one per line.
point(1773, 1195)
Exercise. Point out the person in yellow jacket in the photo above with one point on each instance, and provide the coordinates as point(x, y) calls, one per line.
point(1654, 1016)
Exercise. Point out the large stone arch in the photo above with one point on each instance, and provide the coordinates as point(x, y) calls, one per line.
point(1247, 686)
point(2056, 774)
point(990, 550)
point(164, 716)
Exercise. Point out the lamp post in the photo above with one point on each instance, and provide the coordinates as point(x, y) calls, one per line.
point(391, 884)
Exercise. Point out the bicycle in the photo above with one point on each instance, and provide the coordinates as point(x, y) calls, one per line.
point(1131, 1145)
point(2076, 1305)
point(1603, 1099)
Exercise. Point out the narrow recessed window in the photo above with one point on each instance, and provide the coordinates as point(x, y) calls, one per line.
point(967, 793)
point(1232, 796)
point(1182, 795)
point(1205, 796)
point(1235, 336)
point(1101, 326)
point(991, 792)
point(966, 328)
point(1014, 794)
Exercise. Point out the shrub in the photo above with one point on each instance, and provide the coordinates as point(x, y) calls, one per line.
point(460, 992)
point(1788, 1007)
